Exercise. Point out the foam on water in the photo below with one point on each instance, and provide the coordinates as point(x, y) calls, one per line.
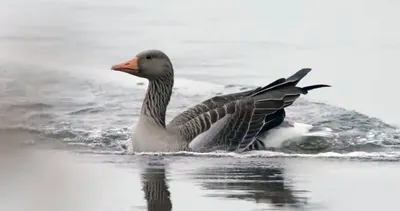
point(357, 155)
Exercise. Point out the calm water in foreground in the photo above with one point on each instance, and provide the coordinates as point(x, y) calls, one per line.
point(59, 97)
point(55, 180)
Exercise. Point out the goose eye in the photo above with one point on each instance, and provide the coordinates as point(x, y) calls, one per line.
point(148, 57)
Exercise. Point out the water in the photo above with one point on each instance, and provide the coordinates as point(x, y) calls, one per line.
point(123, 182)
point(57, 86)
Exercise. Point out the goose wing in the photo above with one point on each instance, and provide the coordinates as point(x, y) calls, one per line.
point(235, 121)
point(207, 105)
point(221, 100)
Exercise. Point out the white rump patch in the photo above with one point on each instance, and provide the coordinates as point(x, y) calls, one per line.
point(275, 137)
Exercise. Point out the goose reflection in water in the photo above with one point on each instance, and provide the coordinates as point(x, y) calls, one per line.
point(259, 184)
point(156, 190)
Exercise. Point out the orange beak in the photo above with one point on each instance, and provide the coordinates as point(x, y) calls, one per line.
point(130, 66)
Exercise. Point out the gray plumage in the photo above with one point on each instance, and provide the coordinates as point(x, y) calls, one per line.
point(231, 122)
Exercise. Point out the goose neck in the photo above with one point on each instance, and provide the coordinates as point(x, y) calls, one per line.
point(158, 95)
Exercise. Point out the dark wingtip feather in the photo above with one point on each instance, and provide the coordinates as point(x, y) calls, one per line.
point(306, 69)
point(299, 75)
point(316, 86)
point(282, 82)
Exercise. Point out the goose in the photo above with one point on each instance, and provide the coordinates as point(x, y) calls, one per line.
point(231, 122)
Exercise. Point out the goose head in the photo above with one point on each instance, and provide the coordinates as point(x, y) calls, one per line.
point(149, 64)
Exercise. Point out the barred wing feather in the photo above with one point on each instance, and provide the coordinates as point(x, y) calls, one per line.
point(241, 117)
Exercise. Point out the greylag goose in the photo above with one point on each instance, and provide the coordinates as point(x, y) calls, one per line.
point(232, 122)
